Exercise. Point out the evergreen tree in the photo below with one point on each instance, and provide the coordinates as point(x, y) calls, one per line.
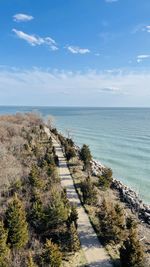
point(70, 152)
point(51, 254)
point(119, 216)
point(89, 192)
point(74, 243)
point(57, 211)
point(34, 177)
point(70, 142)
point(30, 262)
point(105, 179)
point(86, 157)
point(73, 217)
point(38, 218)
point(4, 250)
point(132, 252)
point(16, 223)
point(112, 222)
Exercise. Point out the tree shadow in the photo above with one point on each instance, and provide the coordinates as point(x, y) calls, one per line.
point(102, 263)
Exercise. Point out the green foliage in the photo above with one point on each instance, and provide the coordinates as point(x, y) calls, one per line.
point(112, 222)
point(4, 250)
point(34, 177)
point(38, 217)
point(51, 169)
point(73, 217)
point(51, 254)
point(86, 156)
point(65, 199)
point(70, 142)
point(105, 179)
point(30, 262)
point(89, 192)
point(16, 223)
point(70, 152)
point(132, 252)
point(54, 131)
point(74, 243)
point(131, 223)
point(49, 158)
point(57, 211)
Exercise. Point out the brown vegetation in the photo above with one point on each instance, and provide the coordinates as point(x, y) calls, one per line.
point(34, 210)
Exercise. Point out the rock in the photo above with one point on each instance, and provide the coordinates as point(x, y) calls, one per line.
point(126, 194)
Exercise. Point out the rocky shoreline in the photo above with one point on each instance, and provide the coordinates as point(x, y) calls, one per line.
point(126, 194)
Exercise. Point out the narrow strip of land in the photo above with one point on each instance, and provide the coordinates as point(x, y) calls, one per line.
point(95, 253)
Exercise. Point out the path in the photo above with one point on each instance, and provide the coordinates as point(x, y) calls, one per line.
point(95, 253)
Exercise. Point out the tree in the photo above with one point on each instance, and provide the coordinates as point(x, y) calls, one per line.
point(70, 152)
point(73, 217)
point(86, 156)
point(70, 142)
point(132, 252)
point(57, 211)
point(89, 192)
point(4, 250)
point(51, 254)
point(74, 243)
point(112, 222)
point(16, 223)
point(34, 177)
point(30, 262)
point(38, 218)
point(105, 179)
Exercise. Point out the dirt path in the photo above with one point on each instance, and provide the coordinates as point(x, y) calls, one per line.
point(95, 253)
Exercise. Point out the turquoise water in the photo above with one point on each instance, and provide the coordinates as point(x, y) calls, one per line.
point(118, 137)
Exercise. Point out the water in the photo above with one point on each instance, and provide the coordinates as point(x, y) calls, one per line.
point(118, 137)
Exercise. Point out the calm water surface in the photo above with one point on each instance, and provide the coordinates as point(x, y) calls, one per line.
point(118, 137)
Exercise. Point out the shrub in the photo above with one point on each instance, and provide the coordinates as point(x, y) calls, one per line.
point(16, 223)
point(4, 250)
point(30, 262)
point(70, 152)
point(112, 222)
point(34, 177)
point(73, 217)
point(70, 142)
point(132, 252)
point(74, 243)
point(105, 179)
point(86, 156)
point(57, 211)
point(89, 192)
point(37, 217)
point(51, 254)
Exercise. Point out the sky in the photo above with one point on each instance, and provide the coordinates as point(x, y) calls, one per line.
point(75, 53)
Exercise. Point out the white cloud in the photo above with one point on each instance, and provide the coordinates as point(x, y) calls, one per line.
point(59, 87)
point(34, 40)
point(140, 58)
point(147, 28)
point(78, 50)
point(22, 17)
point(75, 82)
point(110, 90)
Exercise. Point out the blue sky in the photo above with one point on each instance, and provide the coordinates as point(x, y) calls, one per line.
point(75, 53)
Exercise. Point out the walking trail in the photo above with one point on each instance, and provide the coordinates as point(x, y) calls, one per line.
point(95, 254)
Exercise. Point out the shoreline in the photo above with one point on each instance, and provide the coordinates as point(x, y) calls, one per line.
point(126, 194)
